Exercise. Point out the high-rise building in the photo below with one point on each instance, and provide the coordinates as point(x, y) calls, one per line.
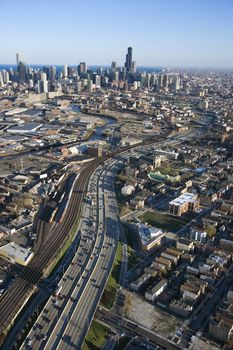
point(1, 80)
point(114, 64)
point(52, 73)
point(19, 58)
point(165, 81)
point(160, 81)
point(31, 83)
point(42, 86)
point(97, 81)
point(177, 83)
point(22, 72)
point(43, 76)
point(65, 71)
point(116, 76)
point(123, 73)
point(89, 86)
point(133, 67)
point(46, 69)
point(129, 58)
point(22, 69)
point(148, 80)
point(5, 76)
point(82, 68)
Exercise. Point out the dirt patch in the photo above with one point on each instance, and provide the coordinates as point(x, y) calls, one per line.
point(152, 317)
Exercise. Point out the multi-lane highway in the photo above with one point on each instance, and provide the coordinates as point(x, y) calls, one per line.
point(21, 289)
point(81, 297)
point(17, 295)
point(65, 319)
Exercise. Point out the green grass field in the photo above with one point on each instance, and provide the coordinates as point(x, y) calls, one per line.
point(164, 221)
point(109, 294)
point(96, 337)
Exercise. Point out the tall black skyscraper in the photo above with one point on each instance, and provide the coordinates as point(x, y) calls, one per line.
point(129, 58)
point(22, 72)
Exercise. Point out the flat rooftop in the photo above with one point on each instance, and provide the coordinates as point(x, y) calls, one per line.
point(184, 198)
point(27, 127)
point(148, 234)
point(17, 253)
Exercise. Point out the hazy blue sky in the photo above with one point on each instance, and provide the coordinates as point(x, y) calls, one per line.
point(162, 32)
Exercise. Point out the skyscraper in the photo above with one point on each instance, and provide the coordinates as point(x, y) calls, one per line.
point(82, 68)
point(1, 80)
point(97, 81)
point(22, 69)
point(19, 58)
point(133, 67)
point(129, 58)
point(22, 72)
point(113, 66)
point(89, 86)
point(52, 73)
point(65, 71)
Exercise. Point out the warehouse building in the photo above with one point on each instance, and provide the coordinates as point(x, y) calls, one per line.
point(16, 254)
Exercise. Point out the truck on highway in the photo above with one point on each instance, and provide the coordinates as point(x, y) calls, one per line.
point(58, 291)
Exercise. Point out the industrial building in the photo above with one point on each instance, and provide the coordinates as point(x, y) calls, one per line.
point(24, 128)
point(16, 253)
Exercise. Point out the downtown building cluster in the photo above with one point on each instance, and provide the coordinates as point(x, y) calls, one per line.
point(73, 79)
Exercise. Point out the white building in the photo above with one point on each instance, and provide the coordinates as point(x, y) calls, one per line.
point(24, 128)
point(16, 253)
point(150, 236)
point(151, 294)
point(183, 203)
point(127, 190)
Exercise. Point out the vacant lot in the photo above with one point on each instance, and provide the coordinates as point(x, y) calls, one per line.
point(163, 220)
point(152, 317)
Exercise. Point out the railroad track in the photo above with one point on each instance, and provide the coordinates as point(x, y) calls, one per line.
point(24, 284)
point(15, 297)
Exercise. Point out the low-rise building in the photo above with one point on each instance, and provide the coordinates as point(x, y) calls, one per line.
point(221, 330)
point(127, 190)
point(16, 253)
point(24, 128)
point(95, 151)
point(151, 294)
point(199, 235)
point(180, 307)
point(163, 262)
point(170, 257)
point(184, 244)
point(182, 204)
point(150, 236)
point(140, 282)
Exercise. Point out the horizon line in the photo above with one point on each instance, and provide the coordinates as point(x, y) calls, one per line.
point(139, 66)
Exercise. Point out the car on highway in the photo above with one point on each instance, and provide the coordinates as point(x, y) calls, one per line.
point(29, 341)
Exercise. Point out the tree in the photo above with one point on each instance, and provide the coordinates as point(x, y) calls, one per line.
point(211, 230)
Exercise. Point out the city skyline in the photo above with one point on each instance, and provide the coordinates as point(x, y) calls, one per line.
point(116, 186)
point(162, 33)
